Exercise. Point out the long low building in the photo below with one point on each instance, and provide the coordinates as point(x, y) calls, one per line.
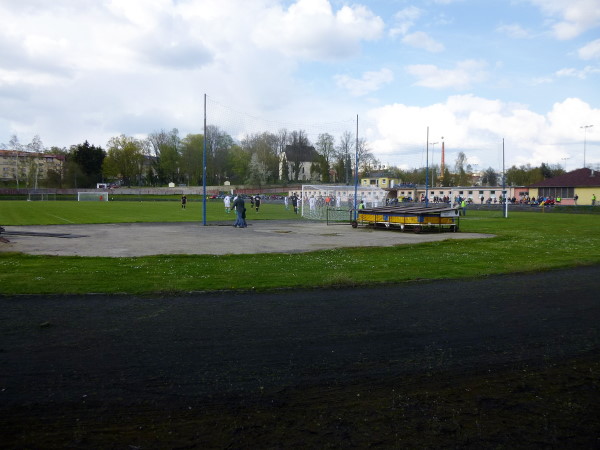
point(476, 194)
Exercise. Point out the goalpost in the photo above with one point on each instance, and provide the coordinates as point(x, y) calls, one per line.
point(335, 203)
point(92, 196)
point(40, 196)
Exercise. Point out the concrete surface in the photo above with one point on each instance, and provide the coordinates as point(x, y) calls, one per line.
point(141, 239)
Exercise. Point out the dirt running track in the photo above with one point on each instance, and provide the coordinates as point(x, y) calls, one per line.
point(499, 362)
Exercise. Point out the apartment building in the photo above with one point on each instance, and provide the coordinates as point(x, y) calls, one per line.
point(22, 166)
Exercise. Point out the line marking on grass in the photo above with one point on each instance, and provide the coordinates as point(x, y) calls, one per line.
point(61, 218)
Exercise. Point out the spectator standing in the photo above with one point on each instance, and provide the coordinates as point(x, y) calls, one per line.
point(240, 210)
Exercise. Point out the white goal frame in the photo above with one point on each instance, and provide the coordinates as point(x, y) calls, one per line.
point(40, 196)
point(92, 196)
point(313, 206)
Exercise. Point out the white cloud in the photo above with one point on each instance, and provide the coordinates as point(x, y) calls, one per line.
point(370, 82)
point(477, 126)
point(404, 20)
point(310, 30)
point(422, 40)
point(590, 50)
point(463, 76)
point(582, 74)
point(92, 69)
point(514, 31)
point(574, 16)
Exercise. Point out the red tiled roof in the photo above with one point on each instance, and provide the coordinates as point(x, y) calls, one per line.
point(576, 178)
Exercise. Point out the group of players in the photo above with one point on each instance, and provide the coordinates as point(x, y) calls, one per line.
point(239, 206)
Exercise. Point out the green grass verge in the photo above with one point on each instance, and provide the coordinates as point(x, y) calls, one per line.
point(525, 242)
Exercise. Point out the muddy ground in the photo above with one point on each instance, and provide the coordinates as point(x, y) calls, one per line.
point(498, 362)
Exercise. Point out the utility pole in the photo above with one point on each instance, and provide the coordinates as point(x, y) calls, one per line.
point(585, 128)
point(504, 183)
point(427, 173)
point(204, 168)
point(356, 174)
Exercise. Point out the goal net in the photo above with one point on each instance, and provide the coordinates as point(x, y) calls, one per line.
point(335, 203)
point(40, 196)
point(92, 196)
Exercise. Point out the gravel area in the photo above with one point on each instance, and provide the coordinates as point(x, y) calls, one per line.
point(141, 239)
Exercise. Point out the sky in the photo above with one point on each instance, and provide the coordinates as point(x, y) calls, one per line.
point(512, 80)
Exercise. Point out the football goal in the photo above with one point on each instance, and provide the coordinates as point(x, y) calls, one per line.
point(40, 196)
point(335, 203)
point(92, 196)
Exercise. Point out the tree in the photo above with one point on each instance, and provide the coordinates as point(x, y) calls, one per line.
point(365, 157)
point(125, 159)
point(265, 145)
point(258, 173)
point(239, 163)
point(344, 155)
point(166, 148)
point(461, 177)
point(551, 171)
point(15, 145)
point(285, 170)
point(89, 158)
point(298, 151)
point(218, 145)
point(190, 161)
point(35, 145)
point(326, 148)
point(490, 177)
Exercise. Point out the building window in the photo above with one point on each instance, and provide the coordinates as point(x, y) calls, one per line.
point(562, 192)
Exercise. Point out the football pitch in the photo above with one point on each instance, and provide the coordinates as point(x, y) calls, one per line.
point(523, 242)
point(15, 212)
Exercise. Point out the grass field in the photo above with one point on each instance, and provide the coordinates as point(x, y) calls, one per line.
point(14, 212)
point(525, 242)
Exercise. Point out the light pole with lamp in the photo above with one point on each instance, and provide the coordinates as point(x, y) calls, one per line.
point(585, 128)
point(565, 160)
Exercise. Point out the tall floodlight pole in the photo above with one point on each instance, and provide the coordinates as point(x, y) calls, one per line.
point(504, 183)
point(356, 174)
point(427, 172)
point(432, 164)
point(585, 128)
point(204, 168)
